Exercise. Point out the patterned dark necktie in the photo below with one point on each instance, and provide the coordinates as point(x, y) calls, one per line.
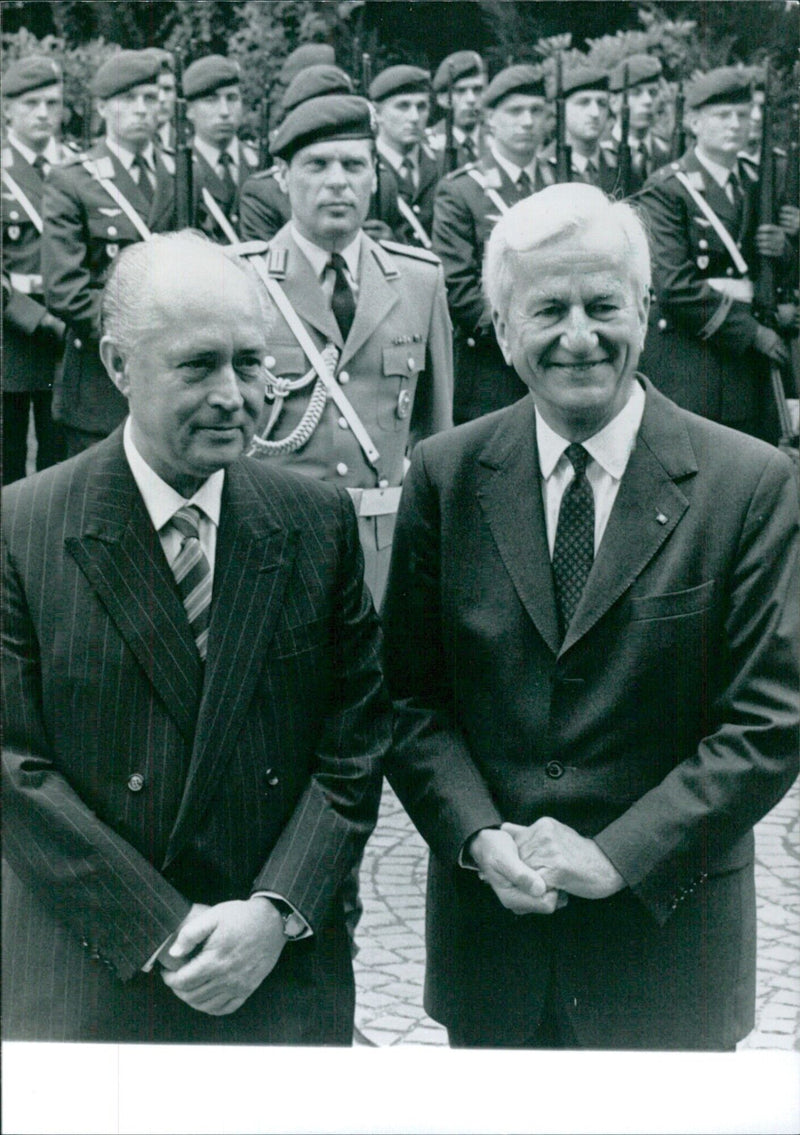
point(226, 177)
point(524, 187)
point(343, 303)
point(193, 575)
point(573, 552)
point(144, 183)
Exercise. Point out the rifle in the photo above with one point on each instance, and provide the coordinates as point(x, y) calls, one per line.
point(366, 74)
point(765, 300)
point(86, 125)
point(563, 149)
point(263, 132)
point(184, 195)
point(678, 141)
point(624, 157)
point(450, 144)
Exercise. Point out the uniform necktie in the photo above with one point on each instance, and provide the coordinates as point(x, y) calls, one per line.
point(193, 574)
point(226, 177)
point(524, 187)
point(640, 159)
point(343, 303)
point(573, 552)
point(407, 173)
point(468, 146)
point(144, 183)
point(40, 165)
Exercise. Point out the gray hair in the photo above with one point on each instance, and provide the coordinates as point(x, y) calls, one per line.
point(550, 215)
point(123, 310)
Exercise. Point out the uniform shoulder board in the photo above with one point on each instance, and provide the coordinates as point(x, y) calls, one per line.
point(250, 155)
point(249, 248)
point(461, 170)
point(168, 160)
point(611, 156)
point(410, 250)
point(74, 158)
point(8, 156)
point(265, 173)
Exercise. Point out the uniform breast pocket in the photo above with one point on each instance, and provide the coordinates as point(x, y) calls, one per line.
point(401, 366)
point(286, 360)
point(673, 604)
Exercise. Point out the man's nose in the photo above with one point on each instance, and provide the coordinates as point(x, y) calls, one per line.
point(335, 174)
point(226, 392)
point(578, 335)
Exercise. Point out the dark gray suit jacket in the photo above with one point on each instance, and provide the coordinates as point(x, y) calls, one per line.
point(258, 772)
point(664, 725)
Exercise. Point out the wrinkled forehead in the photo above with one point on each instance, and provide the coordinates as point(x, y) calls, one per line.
point(597, 255)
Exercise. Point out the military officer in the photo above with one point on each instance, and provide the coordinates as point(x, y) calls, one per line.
point(402, 100)
point(586, 111)
point(222, 162)
point(32, 337)
point(461, 76)
point(359, 364)
point(468, 204)
point(648, 151)
point(118, 192)
point(264, 205)
point(705, 348)
point(167, 95)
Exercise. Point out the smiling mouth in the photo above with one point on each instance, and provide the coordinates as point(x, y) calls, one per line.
point(583, 364)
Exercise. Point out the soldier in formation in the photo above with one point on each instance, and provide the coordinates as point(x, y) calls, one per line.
point(459, 85)
point(642, 74)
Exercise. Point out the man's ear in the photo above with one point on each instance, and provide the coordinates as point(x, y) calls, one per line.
point(281, 170)
point(114, 363)
point(501, 332)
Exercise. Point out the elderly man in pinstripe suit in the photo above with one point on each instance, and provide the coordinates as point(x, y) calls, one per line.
point(195, 714)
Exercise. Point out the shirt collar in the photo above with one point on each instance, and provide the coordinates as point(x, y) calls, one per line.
point(50, 153)
point(320, 257)
point(212, 153)
point(580, 161)
point(396, 159)
point(511, 168)
point(718, 172)
point(160, 499)
point(127, 157)
point(611, 447)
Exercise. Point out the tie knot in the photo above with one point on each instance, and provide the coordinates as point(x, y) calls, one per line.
point(40, 163)
point(578, 458)
point(225, 158)
point(187, 521)
point(337, 262)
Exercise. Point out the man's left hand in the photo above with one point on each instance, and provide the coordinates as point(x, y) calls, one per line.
point(566, 860)
point(770, 240)
point(240, 943)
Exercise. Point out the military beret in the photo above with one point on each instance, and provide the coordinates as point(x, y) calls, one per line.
point(321, 120)
point(123, 71)
point(321, 79)
point(208, 74)
point(723, 84)
point(584, 79)
point(522, 78)
point(400, 80)
point(306, 55)
point(641, 69)
point(461, 65)
point(29, 74)
point(166, 60)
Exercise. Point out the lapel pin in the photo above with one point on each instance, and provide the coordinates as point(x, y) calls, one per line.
point(661, 518)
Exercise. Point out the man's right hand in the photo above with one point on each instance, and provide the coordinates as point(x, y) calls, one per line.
point(768, 342)
point(518, 887)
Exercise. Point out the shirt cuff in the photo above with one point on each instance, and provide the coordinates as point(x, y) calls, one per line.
point(306, 931)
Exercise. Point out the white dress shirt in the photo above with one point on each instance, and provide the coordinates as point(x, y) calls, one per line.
point(51, 153)
point(511, 168)
point(609, 450)
point(396, 159)
point(319, 259)
point(719, 173)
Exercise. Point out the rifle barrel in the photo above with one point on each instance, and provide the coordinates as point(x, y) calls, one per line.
point(184, 189)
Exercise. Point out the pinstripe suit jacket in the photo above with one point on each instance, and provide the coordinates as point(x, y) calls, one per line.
point(261, 773)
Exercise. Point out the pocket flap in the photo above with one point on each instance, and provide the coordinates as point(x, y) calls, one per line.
point(286, 358)
point(673, 603)
point(404, 358)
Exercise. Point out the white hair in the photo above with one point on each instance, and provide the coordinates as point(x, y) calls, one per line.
point(124, 307)
point(544, 218)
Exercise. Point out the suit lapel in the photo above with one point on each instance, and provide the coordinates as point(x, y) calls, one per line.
point(120, 554)
point(511, 499)
point(304, 289)
point(255, 556)
point(376, 296)
point(648, 508)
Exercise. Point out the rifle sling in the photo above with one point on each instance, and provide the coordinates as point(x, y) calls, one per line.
point(717, 225)
point(22, 199)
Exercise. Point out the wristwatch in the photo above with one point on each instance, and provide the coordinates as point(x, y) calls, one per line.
point(293, 925)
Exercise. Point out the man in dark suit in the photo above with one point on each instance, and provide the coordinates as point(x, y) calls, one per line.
point(706, 348)
point(222, 162)
point(194, 709)
point(32, 337)
point(590, 635)
point(468, 204)
point(118, 192)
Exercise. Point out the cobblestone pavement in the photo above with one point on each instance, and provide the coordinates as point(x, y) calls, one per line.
point(391, 960)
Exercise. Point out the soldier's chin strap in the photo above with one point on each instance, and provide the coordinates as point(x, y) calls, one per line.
point(315, 357)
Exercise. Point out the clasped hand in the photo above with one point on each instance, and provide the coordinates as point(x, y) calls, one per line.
point(565, 860)
point(239, 945)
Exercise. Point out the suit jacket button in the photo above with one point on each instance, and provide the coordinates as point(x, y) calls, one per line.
point(136, 782)
point(554, 769)
point(272, 779)
point(662, 325)
point(470, 342)
point(342, 469)
point(78, 343)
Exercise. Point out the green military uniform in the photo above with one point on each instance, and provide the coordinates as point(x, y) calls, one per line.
point(395, 368)
point(206, 177)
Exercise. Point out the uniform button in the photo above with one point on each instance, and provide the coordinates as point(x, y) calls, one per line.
point(344, 377)
point(78, 343)
point(383, 483)
point(269, 362)
point(136, 782)
point(470, 342)
point(554, 769)
point(662, 324)
point(343, 424)
point(702, 244)
point(14, 215)
point(729, 271)
point(415, 208)
point(342, 469)
point(112, 231)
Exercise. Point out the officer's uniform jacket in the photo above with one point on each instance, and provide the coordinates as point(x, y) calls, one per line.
point(436, 137)
point(699, 348)
point(264, 207)
point(658, 154)
point(603, 172)
point(418, 198)
point(84, 230)
point(466, 210)
point(28, 356)
point(206, 177)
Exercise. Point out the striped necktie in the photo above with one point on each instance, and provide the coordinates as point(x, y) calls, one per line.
point(192, 573)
